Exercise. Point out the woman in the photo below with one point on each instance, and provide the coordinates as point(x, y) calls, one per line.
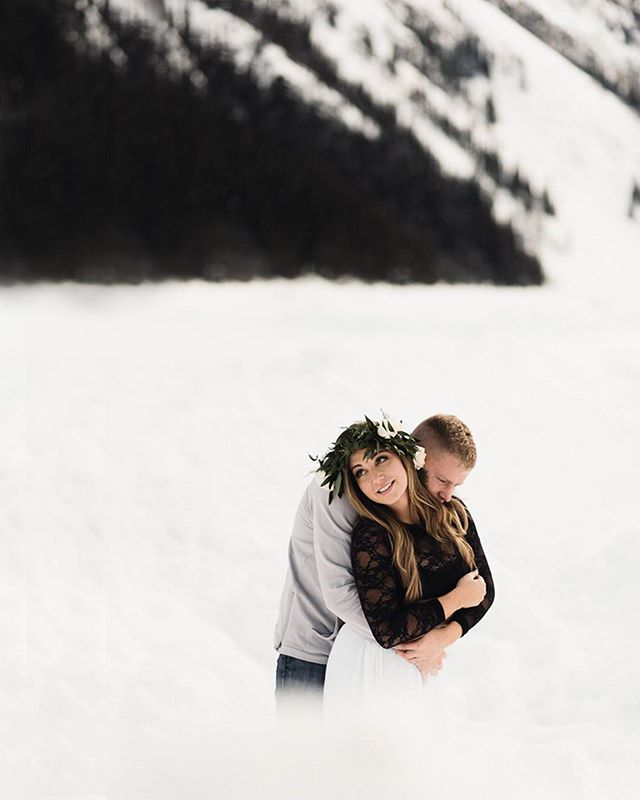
point(413, 564)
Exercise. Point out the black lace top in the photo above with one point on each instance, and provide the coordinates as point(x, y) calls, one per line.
point(391, 620)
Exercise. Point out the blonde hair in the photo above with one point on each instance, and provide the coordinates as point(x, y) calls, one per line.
point(446, 523)
point(447, 432)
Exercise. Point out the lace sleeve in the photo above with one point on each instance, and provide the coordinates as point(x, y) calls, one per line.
point(381, 592)
point(468, 617)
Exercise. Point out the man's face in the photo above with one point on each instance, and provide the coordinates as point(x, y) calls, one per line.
point(444, 474)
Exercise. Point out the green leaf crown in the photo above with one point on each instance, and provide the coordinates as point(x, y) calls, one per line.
point(371, 436)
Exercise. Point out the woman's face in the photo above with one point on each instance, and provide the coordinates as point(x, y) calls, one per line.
point(381, 478)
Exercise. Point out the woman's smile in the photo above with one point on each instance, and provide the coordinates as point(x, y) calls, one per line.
point(381, 478)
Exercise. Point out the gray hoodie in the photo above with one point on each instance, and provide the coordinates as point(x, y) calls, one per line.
point(319, 592)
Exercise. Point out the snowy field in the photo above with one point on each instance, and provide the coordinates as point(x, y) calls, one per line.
point(154, 447)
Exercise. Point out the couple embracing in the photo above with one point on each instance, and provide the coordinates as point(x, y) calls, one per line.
point(386, 569)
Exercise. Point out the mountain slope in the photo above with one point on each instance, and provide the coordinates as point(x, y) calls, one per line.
point(601, 37)
point(391, 140)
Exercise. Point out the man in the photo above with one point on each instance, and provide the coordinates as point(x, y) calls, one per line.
point(320, 592)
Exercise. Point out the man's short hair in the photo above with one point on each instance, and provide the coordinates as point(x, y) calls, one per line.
point(446, 432)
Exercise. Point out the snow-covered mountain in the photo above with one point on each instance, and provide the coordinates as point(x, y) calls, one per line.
point(601, 37)
point(532, 107)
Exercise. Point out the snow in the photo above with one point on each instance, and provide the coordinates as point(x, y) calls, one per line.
point(155, 445)
point(559, 127)
point(250, 51)
point(97, 32)
point(151, 14)
point(598, 30)
point(344, 46)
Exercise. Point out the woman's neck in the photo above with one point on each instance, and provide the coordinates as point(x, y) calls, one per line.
point(401, 510)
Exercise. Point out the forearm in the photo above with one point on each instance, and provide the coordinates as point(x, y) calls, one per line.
point(341, 598)
point(449, 634)
point(450, 603)
point(469, 617)
point(458, 599)
point(397, 624)
point(331, 541)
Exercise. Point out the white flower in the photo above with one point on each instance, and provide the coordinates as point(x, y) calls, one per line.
point(388, 428)
point(419, 457)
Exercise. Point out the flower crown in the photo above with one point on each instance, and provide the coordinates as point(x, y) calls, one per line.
point(371, 436)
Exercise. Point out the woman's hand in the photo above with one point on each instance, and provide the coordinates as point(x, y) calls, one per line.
point(431, 645)
point(425, 648)
point(470, 590)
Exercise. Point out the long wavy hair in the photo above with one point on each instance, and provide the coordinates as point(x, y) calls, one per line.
point(447, 523)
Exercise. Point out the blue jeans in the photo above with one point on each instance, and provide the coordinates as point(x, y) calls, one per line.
point(295, 677)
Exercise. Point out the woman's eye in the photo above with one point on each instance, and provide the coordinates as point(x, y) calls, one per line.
point(358, 474)
point(381, 459)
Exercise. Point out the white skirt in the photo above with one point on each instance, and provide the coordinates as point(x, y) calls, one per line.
point(363, 676)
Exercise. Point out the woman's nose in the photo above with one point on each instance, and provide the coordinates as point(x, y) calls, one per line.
point(379, 476)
